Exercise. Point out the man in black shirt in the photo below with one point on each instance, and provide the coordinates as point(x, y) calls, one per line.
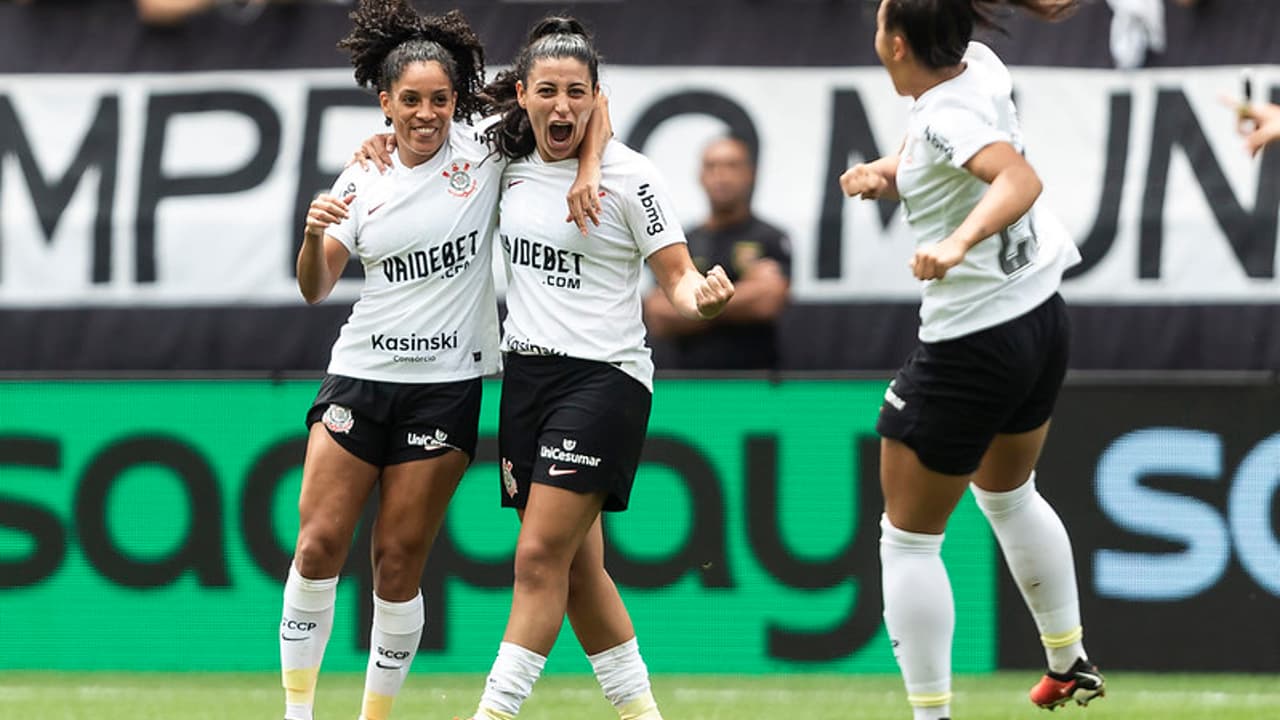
point(755, 255)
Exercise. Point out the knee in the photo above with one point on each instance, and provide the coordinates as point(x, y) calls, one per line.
point(319, 554)
point(540, 564)
point(397, 568)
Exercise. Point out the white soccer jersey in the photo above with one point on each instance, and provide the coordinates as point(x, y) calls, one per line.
point(580, 296)
point(427, 312)
point(1007, 274)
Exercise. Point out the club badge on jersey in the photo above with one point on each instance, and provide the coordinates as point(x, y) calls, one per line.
point(461, 184)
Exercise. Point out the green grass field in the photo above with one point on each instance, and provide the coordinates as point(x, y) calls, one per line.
point(193, 696)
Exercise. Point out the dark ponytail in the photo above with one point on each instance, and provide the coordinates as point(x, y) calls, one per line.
point(939, 31)
point(553, 37)
point(389, 35)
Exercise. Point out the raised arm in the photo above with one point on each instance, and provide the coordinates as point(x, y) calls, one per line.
point(694, 296)
point(322, 258)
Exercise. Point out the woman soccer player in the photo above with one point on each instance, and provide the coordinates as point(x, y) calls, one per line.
point(971, 406)
point(399, 407)
point(577, 387)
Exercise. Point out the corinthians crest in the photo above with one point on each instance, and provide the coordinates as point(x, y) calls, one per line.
point(461, 184)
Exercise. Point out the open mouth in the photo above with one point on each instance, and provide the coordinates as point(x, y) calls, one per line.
point(561, 131)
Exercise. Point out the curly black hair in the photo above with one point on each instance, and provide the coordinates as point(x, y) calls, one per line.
point(390, 34)
point(552, 37)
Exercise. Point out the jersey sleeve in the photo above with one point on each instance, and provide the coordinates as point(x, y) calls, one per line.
point(350, 182)
point(959, 133)
point(777, 247)
point(648, 211)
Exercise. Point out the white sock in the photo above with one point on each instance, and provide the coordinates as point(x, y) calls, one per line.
point(624, 678)
point(1038, 552)
point(510, 681)
point(305, 626)
point(393, 643)
point(919, 615)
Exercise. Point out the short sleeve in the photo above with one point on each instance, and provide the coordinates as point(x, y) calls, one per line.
point(648, 210)
point(777, 247)
point(348, 183)
point(959, 133)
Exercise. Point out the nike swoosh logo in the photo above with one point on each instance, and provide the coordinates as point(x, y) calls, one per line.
point(286, 638)
point(386, 667)
point(514, 183)
point(554, 471)
point(374, 209)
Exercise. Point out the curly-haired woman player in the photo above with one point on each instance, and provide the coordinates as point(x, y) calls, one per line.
point(971, 406)
point(399, 407)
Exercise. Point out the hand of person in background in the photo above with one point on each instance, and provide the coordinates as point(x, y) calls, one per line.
point(1260, 125)
point(713, 293)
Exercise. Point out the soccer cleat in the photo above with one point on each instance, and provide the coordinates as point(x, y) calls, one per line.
point(1081, 683)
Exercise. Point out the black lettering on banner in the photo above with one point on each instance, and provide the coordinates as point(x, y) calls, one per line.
point(258, 499)
point(704, 549)
point(850, 136)
point(43, 527)
point(716, 105)
point(858, 561)
point(154, 185)
point(1097, 243)
point(99, 150)
point(314, 179)
point(202, 548)
point(1252, 235)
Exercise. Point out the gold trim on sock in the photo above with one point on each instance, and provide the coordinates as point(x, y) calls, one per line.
point(640, 707)
point(376, 706)
point(930, 700)
point(484, 713)
point(1070, 637)
point(300, 685)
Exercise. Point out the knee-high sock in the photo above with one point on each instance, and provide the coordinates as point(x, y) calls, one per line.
point(1038, 552)
point(304, 632)
point(393, 643)
point(920, 616)
point(624, 678)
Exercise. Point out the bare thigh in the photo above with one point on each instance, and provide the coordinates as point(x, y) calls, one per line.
point(413, 499)
point(1010, 459)
point(335, 486)
point(916, 499)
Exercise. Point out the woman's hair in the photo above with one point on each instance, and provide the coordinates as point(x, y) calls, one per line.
point(389, 35)
point(939, 31)
point(552, 38)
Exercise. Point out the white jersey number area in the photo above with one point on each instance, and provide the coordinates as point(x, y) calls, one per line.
point(580, 296)
point(1005, 275)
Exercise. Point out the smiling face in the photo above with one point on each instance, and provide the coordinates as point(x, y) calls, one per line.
point(420, 105)
point(559, 97)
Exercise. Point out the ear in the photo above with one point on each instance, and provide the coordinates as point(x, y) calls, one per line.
point(899, 47)
point(520, 95)
point(384, 99)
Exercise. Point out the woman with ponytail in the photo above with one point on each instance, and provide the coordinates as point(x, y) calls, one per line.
point(398, 409)
point(578, 380)
point(970, 408)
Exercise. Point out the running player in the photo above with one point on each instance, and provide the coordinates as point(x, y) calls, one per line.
point(971, 406)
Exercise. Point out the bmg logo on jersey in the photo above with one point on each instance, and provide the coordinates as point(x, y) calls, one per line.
point(652, 211)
